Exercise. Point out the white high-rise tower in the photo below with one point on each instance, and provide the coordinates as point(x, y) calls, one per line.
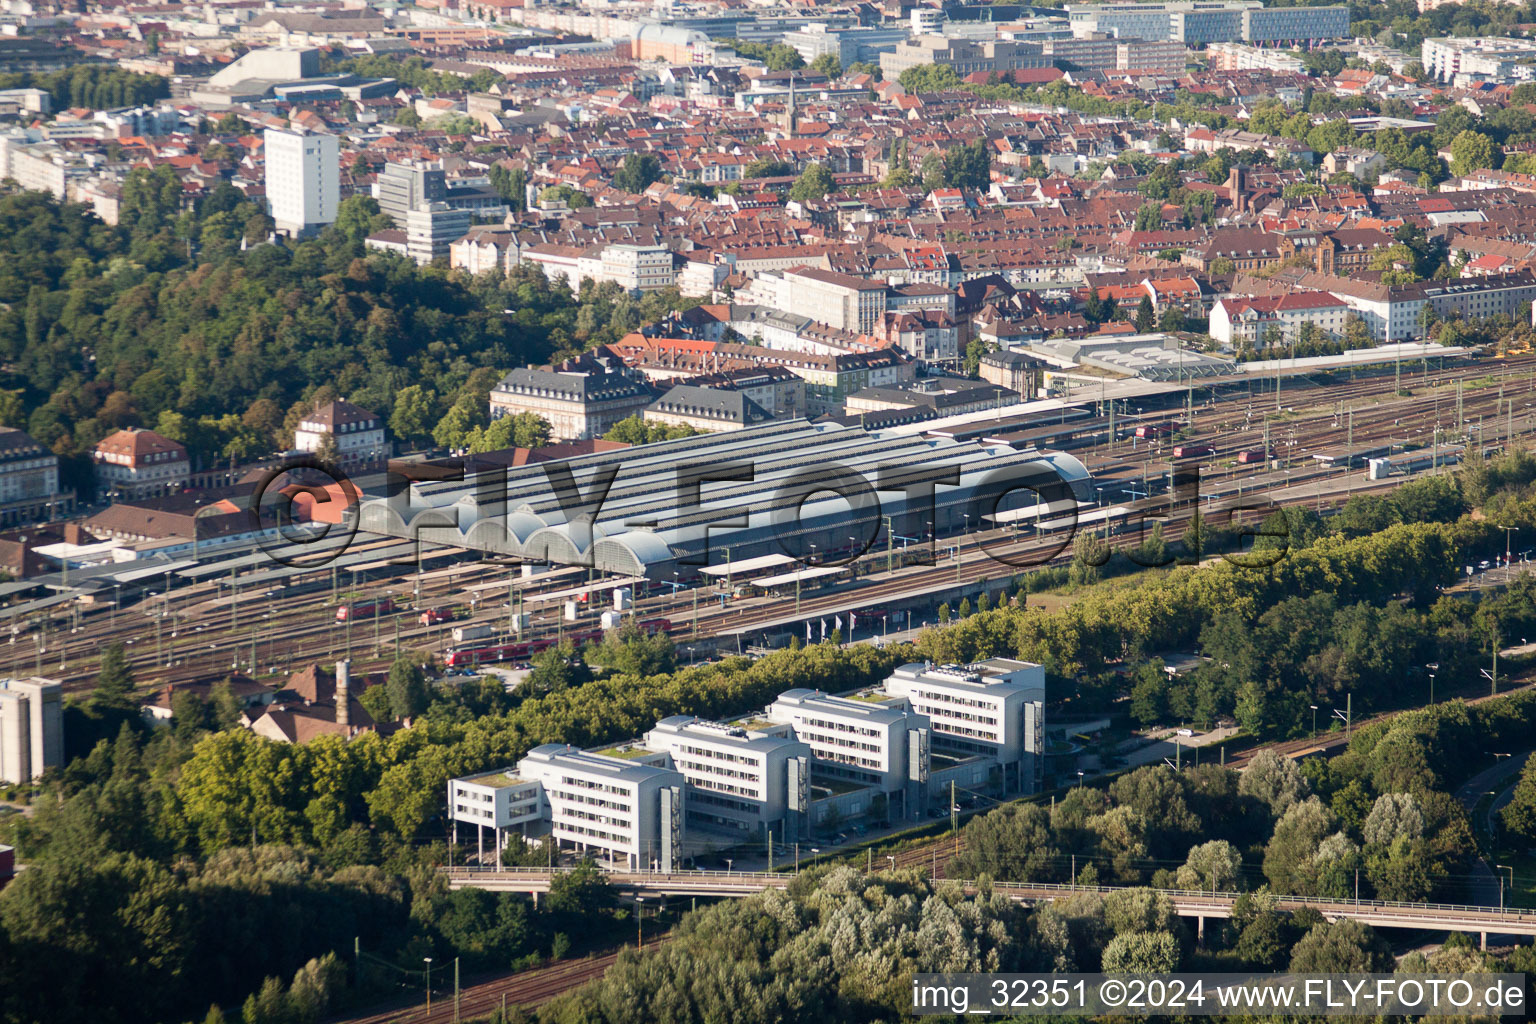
point(303, 179)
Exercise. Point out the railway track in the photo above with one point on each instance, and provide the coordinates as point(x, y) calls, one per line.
point(527, 989)
point(292, 630)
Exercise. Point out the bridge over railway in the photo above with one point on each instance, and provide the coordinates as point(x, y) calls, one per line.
point(1448, 917)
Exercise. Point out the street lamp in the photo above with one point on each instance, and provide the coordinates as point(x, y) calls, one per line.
point(1079, 778)
point(1314, 720)
point(639, 935)
point(1505, 867)
point(815, 854)
point(428, 961)
point(1433, 667)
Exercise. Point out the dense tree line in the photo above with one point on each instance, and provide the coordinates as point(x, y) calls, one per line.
point(1374, 618)
point(226, 349)
point(838, 945)
point(96, 86)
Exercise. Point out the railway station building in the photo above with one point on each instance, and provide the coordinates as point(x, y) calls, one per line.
point(815, 493)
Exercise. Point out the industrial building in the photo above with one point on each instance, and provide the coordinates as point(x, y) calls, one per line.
point(665, 511)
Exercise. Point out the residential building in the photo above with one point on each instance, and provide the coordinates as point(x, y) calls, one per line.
point(484, 249)
point(29, 479)
point(1015, 371)
point(1198, 22)
point(580, 399)
point(840, 300)
point(1494, 58)
point(358, 433)
point(140, 463)
point(639, 268)
point(702, 408)
point(303, 177)
point(31, 728)
point(431, 230)
point(1253, 321)
point(993, 708)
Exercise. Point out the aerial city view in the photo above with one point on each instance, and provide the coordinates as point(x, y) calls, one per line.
point(766, 511)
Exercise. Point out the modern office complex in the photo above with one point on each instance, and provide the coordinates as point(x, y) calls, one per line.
point(808, 763)
point(993, 709)
point(860, 743)
point(31, 728)
point(743, 784)
point(1197, 22)
point(623, 811)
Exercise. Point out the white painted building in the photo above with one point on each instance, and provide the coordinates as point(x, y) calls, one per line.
point(31, 728)
point(303, 179)
point(628, 812)
point(864, 742)
point(745, 783)
point(993, 708)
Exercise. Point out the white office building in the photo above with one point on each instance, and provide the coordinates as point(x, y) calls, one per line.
point(31, 728)
point(497, 801)
point(626, 812)
point(862, 742)
point(993, 709)
point(742, 784)
point(303, 179)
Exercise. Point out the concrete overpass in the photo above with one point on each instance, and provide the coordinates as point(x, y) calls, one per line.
point(1447, 917)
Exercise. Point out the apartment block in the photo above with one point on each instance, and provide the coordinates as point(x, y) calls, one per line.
point(31, 728)
point(303, 179)
point(1198, 22)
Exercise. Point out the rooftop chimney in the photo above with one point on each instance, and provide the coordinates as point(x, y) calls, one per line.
point(343, 685)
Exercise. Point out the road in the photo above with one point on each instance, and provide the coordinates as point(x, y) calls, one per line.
point(1483, 920)
point(1485, 889)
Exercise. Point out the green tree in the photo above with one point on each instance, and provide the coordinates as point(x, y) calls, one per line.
point(414, 413)
point(407, 689)
point(1341, 947)
point(637, 172)
point(828, 64)
point(114, 681)
point(815, 182)
point(1146, 316)
point(1472, 151)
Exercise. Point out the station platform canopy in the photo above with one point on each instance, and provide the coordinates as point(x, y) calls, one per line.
point(1035, 511)
point(745, 565)
point(584, 588)
point(1093, 518)
point(811, 573)
point(147, 572)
